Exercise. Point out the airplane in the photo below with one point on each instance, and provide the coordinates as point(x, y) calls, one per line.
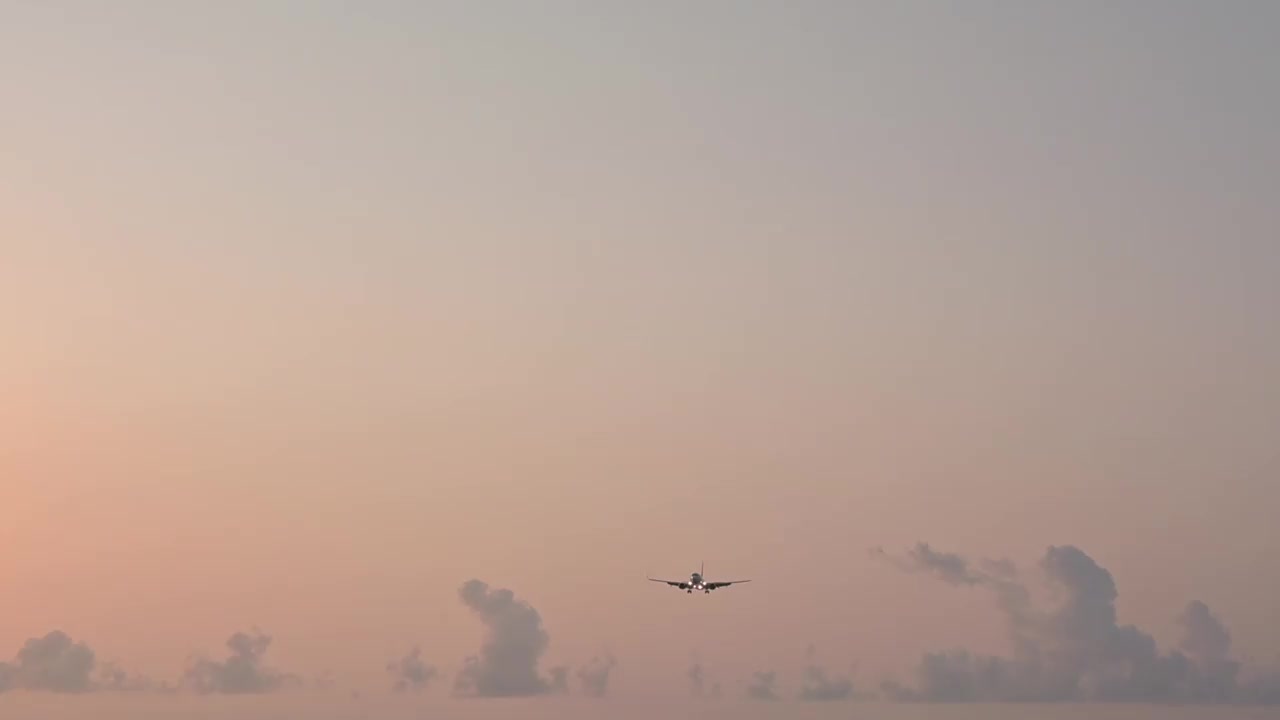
point(697, 581)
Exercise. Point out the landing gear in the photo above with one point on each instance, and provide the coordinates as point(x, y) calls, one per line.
point(706, 592)
point(689, 591)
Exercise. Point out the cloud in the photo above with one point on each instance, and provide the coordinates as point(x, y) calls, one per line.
point(559, 679)
point(1262, 689)
point(762, 686)
point(324, 681)
point(241, 673)
point(817, 686)
point(507, 665)
point(698, 681)
point(1206, 637)
point(950, 567)
point(1075, 650)
point(115, 679)
point(53, 663)
point(594, 676)
point(410, 673)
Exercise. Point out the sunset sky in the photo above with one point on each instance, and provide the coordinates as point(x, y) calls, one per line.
point(311, 312)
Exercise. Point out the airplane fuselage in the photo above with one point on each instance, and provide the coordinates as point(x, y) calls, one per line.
point(698, 581)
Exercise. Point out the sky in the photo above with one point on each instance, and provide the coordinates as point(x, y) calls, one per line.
point(313, 313)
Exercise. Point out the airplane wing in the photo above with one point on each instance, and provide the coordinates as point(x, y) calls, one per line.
point(724, 583)
point(672, 583)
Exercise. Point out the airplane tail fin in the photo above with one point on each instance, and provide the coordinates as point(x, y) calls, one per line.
point(702, 568)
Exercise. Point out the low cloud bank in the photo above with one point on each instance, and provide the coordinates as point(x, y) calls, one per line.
point(819, 686)
point(113, 678)
point(763, 686)
point(507, 664)
point(699, 684)
point(53, 663)
point(410, 673)
point(594, 676)
point(1076, 650)
point(243, 672)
